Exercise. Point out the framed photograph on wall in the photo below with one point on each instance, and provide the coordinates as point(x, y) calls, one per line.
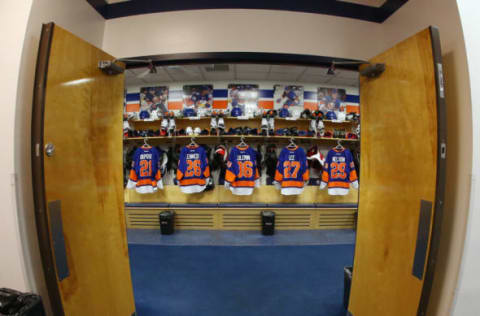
point(331, 99)
point(289, 97)
point(154, 99)
point(198, 97)
point(242, 99)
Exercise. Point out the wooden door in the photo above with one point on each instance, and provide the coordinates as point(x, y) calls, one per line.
point(402, 177)
point(78, 182)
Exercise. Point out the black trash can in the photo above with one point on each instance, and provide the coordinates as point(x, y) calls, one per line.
point(347, 284)
point(14, 303)
point(167, 222)
point(268, 222)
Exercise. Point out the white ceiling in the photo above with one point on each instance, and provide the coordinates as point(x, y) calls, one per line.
point(281, 73)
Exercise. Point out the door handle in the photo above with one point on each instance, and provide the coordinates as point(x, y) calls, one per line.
point(58, 239)
point(49, 149)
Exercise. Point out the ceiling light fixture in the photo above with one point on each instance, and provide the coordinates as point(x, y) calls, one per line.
point(331, 69)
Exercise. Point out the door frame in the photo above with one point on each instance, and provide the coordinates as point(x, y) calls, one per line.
point(37, 148)
point(37, 144)
point(441, 172)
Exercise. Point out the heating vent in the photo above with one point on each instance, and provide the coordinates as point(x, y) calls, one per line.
point(148, 219)
point(143, 220)
point(194, 220)
point(217, 68)
point(292, 220)
point(239, 221)
point(244, 219)
point(336, 220)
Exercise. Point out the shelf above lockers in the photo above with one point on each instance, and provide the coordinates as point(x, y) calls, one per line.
point(236, 138)
point(192, 120)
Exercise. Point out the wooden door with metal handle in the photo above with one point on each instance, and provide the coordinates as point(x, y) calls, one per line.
point(402, 178)
point(78, 178)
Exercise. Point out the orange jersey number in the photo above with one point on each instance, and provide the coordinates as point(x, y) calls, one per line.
point(338, 170)
point(193, 168)
point(245, 169)
point(145, 168)
point(290, 169)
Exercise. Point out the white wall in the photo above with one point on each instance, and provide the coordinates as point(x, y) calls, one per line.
point(14, 19)
point(21, 21)
point(240, 30)
point(468, 293)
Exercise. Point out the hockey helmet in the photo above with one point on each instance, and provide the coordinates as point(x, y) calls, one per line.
point(306, 114)
point(357, 130)
point(236, 112)
point(328, 134)
point(319, 115)
point(320, 128)
point(331, 115)
point(144, 115)
point(189, 112)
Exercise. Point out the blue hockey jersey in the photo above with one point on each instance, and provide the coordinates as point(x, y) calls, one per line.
point(292, 171)
point(145, 175)
point(339, 172)
point(193, 169)
point(242, 174)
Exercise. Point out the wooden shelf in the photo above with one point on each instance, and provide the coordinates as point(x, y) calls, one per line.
point(216, 139)
point(186, 119)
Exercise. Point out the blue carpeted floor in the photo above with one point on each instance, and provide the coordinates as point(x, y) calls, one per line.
point(171, 278)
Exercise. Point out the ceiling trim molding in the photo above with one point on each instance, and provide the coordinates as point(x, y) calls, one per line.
point(329, 7)
point(245, 57)
point(101, 6)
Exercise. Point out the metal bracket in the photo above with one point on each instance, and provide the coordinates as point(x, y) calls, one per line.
point(373, 70)
point(110, 68)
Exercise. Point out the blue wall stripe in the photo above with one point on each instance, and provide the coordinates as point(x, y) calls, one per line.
point(223, 93)
point(133, 97)
point(220, 93)
point(310, 95)
point(352, 98)
point(262, 93)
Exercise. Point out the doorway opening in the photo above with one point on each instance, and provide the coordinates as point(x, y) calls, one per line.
point(301, 117)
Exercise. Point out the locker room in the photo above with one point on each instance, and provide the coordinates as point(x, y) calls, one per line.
point(262, 190)
point(184, 161)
